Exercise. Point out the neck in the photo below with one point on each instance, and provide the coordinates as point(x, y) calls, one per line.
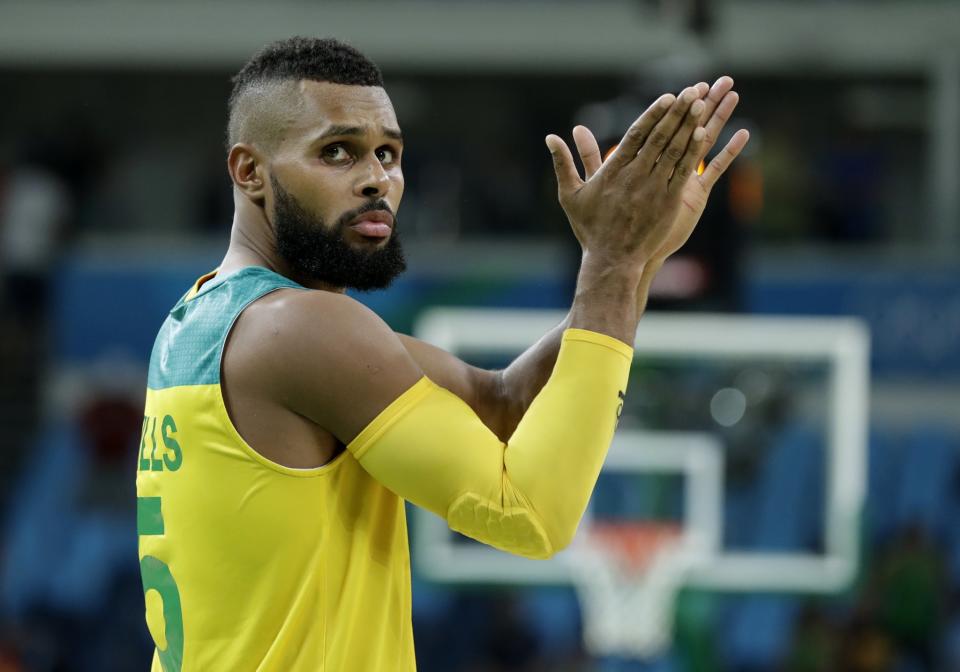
point(253, 243)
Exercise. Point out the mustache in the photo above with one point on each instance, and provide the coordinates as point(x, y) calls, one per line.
point(380, 204)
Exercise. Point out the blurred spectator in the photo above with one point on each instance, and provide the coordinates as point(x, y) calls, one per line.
point(950, 653)
point(33, 214)
point(10, 658)
point(912, 592)
point(814, 645)
point(511, 645)
point(35, 206)
point(69, 546)
point(865, 647)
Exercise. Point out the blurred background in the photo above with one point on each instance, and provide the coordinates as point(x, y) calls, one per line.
point(114, 198)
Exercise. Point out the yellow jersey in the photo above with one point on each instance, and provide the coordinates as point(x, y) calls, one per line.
point(247, 564)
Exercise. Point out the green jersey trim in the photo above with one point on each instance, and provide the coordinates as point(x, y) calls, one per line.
point(189, 346)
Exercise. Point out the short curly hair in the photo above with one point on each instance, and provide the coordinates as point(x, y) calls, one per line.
point(283, 63)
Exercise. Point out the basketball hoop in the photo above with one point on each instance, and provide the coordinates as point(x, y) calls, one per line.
point(627, 575)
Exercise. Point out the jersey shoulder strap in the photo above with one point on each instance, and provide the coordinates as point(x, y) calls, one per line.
point(189, 346)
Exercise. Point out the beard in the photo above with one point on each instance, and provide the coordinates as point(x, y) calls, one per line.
point(317, 251)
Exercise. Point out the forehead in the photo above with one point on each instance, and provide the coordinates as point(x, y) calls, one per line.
point(326, 104)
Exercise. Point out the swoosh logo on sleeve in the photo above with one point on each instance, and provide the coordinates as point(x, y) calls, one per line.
point(620, 406)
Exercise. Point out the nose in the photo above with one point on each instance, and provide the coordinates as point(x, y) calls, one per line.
point(374, 183)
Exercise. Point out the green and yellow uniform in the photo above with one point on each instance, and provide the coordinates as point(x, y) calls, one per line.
point(247, 564)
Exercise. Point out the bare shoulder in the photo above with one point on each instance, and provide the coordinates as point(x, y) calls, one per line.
point(289, 323)
point(322, 355)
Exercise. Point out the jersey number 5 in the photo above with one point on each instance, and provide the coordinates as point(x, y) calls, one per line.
point(157, 577)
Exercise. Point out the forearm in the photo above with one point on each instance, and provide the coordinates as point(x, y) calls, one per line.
point(521, 382)
point(606, 298)
point(646, 281)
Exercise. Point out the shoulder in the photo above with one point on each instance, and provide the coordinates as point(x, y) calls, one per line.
point(315, 351)
point(300, 327)
point(296, 317)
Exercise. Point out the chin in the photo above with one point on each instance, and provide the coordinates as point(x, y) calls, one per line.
point(371, 242)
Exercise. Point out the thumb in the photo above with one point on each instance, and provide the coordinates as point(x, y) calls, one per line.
point(567, 177)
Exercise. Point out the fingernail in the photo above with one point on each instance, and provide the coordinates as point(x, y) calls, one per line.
point(666, 100)
point(697, 107)
point(699, 133)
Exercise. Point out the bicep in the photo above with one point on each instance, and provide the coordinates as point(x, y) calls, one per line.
point(333, 361)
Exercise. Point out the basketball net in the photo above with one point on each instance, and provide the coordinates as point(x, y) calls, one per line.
point(627, 576)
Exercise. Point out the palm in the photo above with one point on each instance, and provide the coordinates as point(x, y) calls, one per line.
point(693, 203)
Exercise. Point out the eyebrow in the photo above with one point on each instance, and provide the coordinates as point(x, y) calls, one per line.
point(337, 130)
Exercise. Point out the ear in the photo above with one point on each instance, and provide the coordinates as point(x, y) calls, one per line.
point(247, 171)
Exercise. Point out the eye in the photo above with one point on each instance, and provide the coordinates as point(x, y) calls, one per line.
point(386, 155)
point(335, 153)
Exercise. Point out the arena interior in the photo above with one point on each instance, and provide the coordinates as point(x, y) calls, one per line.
point(807, 338)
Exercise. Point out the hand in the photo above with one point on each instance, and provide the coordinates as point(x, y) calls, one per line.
point(721, 100)
point(625, 210)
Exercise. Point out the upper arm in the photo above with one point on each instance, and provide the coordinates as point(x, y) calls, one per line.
point(479, 388)
point(324, 356)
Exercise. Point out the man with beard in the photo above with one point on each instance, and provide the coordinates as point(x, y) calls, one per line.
point(285, 423)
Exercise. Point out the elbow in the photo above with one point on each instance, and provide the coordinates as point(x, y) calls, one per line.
point(562, 538)
point(541, 546)
point(553, 537)
point(544, 552)
point(549, 549)
point(516, 530)
point(547, 539)
point(550, 543)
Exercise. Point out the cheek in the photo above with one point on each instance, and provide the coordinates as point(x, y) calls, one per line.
point(327, 194)
point(398, 184)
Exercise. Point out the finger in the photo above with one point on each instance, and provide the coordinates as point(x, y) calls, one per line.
point(721, 115)
point(637, 134)
point(719, 89)
point(677, 147)
point(589, 150)
point(722, 161)
point(690, 159)
point(702, 89)
point(661, 134)
point(567, 177)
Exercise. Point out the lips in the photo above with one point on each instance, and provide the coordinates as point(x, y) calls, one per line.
point(373, 224)
point(372, 229)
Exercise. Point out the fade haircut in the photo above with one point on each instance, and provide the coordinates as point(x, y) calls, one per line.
point(266, 97)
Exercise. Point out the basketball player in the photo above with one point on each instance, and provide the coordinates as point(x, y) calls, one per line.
point(286, 424)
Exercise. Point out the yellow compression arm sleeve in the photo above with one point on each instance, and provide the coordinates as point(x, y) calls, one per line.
point(526, 496)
